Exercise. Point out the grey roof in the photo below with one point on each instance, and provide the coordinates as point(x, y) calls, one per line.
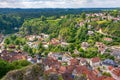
point(109, 62)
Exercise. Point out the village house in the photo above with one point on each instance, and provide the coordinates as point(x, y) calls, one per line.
point(81, 23)
point(96, 72)
point(83, 61)
point(88, 15)
point(54, 55)
point(44, 36)
point(116, 73)
point(64, 44)
point(33, 44)
point(35, 59)
point(31, 37)
point(100, 30)
point(116, 19)
point(90, 32)
point(84, 45)
point(108, 39)
point(62, 69)
point(54, 41)
point(101, 47)
point(95, 19)
point(104, 17)
point(50, 62)
point(45, 44)
point(76, 51)
point(89, 26)
point(66, 58)
point(95, 62)
point(29, 58)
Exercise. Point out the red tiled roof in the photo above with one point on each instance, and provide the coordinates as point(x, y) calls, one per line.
point(109, 78)
point(96, 59)
point(108, 39)
point(95, 72)
point(84, 70)
point(116, 71)
point(54, 41)
point(74, 62)
point(110, 67)
point(105, 78)
point(81, 69)
point(62, 69)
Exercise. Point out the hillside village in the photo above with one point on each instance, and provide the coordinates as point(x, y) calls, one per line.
point(102, 64)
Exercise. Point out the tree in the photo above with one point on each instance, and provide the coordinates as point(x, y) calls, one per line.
point(81, 34)
point(17, 42)
point(7, 41)
point(83, 16)
point(25, 48)
point(13, 37)
point(43, 18)
point(40, 48)
point(20, 64)
point(30, 51)
point(71, 48)
point(40, 45)
point(106, 74)
point(5, 67)
point(64, 33)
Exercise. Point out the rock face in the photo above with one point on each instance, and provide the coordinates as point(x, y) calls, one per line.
point(32, 72)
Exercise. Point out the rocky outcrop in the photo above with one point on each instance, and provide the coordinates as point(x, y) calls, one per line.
point(32, 72)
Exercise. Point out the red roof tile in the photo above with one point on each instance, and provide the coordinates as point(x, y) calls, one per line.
point(105, 78)
point(74, 62)
point(96, 59)
point(116, 71)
